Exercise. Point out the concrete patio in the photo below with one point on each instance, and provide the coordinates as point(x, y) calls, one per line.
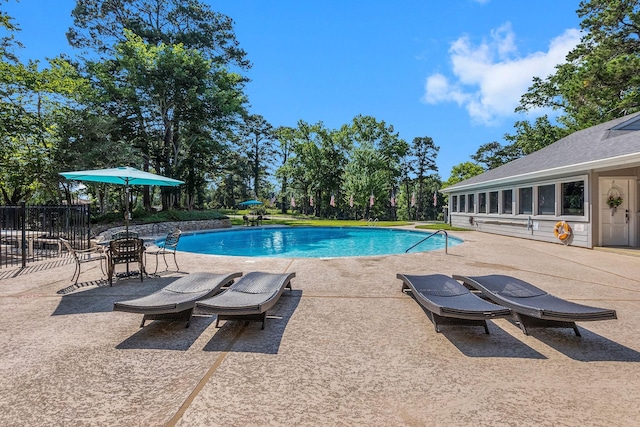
point(345, 347)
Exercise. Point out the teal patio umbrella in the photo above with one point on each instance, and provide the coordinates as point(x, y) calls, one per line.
point(123, 175)
point(251, 202)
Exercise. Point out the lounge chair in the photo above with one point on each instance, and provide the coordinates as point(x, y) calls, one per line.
point(533, 307)
point(249, 298)
point(443, 297)
point(177, 300)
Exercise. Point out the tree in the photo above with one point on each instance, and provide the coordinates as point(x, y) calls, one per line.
point(286, 139)
point(8, 40)
point(383, 149)
point(233, 180)
point(461, 172)
point(256, 138)
point(172, 101)
point(529, 138)
point(407, 170)
point(334, 150)
point(424, 151)
point(365, 176)
point(164, 72)
point(32, 101)
point(491, 155)
point(298, 170)
point(317, 165)
point(100, 25)
point(601, 78)
point(86, 141)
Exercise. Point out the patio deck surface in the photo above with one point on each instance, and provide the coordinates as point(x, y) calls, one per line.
point(346, 347)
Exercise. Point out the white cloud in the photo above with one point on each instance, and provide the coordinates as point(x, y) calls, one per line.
point(488, 79)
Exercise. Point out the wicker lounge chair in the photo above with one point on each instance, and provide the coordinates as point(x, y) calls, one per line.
point(177, 300)
point(532, 307)
point(443, 298)
point(249, 298)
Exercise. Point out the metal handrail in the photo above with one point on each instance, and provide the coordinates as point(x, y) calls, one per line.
point(446, 240)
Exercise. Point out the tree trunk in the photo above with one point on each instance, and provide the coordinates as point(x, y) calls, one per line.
point(146, 190)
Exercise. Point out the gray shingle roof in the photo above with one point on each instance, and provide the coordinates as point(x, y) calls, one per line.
point(586, 147)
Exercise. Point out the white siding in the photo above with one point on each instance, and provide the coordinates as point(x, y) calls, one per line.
point(517, 227)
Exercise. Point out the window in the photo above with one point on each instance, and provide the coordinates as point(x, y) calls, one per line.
point(482, 202)
point(573, 198)
point(454, 203)
point(507, 200)
point(493, 202)
point(547, 199)
point(471, 198)
point(462, 199)
point(525, 201)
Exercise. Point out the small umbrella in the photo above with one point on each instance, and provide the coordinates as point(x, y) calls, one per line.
point(251, 202)
point(126, 176)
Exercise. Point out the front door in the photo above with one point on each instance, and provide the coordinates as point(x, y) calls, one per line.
point(615, 221)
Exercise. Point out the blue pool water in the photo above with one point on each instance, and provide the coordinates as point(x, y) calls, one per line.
point(310, 242)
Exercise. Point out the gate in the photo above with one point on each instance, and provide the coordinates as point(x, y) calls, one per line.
point(31, 233)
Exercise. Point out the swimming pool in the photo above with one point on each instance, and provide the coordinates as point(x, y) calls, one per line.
point(310, 242)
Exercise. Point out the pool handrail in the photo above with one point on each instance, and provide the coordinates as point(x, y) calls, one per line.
point(446, 240)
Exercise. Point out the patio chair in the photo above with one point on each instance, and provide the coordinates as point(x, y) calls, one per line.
point(169, 246)
point(177, 300)
point(447, 301)
point(249, 298)
point(125, 251)
point(125, 235)
point(532, 307)
point(245, 220)
point(83, 256)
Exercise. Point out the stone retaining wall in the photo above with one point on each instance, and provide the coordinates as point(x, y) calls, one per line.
point(162, 228)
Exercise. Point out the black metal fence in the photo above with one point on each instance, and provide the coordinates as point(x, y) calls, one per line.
point(31, 233)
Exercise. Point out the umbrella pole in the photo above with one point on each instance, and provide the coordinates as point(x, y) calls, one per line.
point(126, 209)
point(126, 215)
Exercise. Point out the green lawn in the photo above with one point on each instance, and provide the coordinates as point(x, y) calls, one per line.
point(442, 226)
point(275, 218)
point(280, 219)
point(316, 222)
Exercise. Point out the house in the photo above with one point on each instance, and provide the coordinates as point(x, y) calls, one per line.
point(581, 190)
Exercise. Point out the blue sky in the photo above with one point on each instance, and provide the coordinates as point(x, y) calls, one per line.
point(452, 70)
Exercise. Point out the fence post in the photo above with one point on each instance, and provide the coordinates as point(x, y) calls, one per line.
point(87, 212)
point(23, 243)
